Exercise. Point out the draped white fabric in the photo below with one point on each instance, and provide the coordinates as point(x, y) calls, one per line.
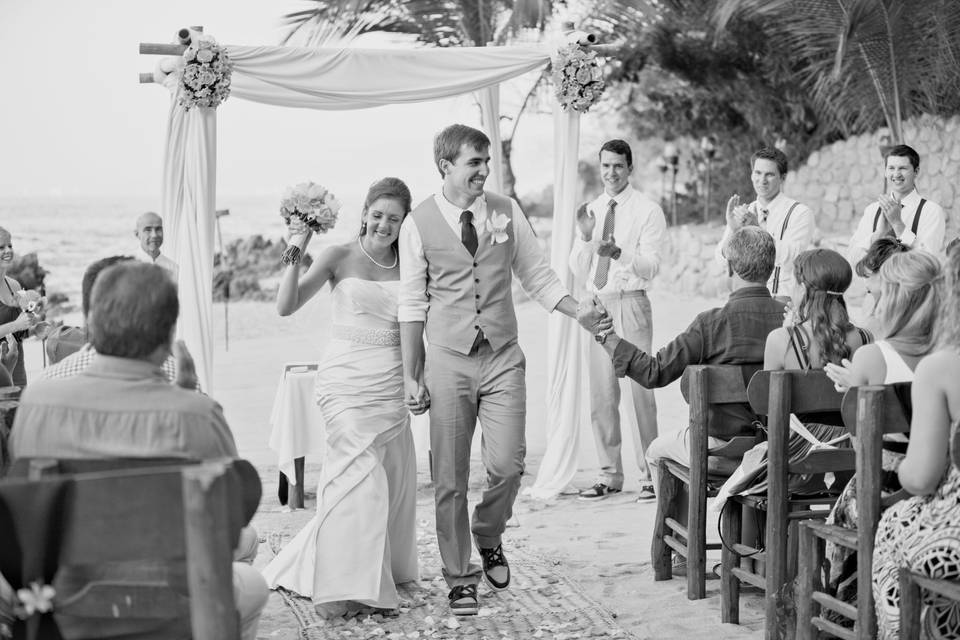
point(489, 100)
point(337, 79)
point(567, 404)
point(188, 206)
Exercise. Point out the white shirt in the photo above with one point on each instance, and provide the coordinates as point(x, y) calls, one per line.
point(930, 230)
point(791, 241)
point(161, 261)
point(529, 263)
point(638, 229)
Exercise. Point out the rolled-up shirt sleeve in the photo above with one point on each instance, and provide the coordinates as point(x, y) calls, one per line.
point(530, 265)
point(930, 230)
point(413, 274)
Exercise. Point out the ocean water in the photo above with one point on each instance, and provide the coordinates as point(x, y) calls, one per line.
point(69, 233)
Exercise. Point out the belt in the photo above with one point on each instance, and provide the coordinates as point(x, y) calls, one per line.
point(620, 295)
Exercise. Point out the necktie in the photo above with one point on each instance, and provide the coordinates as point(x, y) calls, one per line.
point(764, 214)
point(468, 233)
point(603, 262)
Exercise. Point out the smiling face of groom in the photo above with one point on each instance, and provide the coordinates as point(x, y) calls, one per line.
point(463, 179)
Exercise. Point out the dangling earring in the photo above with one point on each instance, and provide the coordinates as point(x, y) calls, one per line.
point(363, 228)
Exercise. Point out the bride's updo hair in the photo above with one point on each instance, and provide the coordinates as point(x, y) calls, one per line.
point(825, 275)
point(393, 188)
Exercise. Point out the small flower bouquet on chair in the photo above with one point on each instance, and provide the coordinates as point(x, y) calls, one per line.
point(313, 205)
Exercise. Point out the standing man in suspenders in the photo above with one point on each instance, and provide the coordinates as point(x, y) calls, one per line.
point(789, 222)
point(903, 214)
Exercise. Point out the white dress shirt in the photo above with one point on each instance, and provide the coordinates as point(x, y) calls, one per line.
point(529, 263)
point(791, 241)
point(161, 261)
point(930, 230)
point(638, 229)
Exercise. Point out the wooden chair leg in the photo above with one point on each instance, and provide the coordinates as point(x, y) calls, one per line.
point(697, 542)
point(661, 556)
point(811, 561)
point(730, 525)
point(296, 492)
point(910, 607)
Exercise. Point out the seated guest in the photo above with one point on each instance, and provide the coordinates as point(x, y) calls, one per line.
point(732, 334)
point(67, 360)
point(922, 533)
point(910, 298)
point(868, 268)
point(123, 406)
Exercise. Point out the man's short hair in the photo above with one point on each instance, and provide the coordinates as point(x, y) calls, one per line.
point(751, 253)
point(903, 151)
point(133, 309)
point(619, 147)
point(90, 276)
point(770, 153)
point(447, 143)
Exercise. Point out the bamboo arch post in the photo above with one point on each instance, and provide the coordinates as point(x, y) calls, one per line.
point(161, 49)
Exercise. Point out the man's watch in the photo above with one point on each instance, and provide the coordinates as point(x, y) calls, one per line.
point(616, 254)
point(601, 336)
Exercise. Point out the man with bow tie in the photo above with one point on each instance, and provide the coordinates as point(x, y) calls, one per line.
point(790, 222)
point(615, 255)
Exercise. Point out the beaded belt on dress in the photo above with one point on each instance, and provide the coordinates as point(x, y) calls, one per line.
point(381, 337)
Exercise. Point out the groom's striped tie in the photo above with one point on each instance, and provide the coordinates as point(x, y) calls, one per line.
point(603, 262)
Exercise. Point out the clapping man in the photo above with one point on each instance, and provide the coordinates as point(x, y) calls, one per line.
point(790, 222)
point(902, 213)
point(615, 254)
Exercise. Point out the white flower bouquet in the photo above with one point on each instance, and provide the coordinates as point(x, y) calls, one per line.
point(313, 205)
point(577, 77)
point(205, 81)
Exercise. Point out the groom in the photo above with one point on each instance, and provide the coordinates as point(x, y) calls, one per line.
point(459, 251)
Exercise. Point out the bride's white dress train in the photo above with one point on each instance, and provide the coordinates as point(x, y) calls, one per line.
point(362, 540)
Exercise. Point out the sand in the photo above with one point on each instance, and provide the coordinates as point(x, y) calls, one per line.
point(603, 546)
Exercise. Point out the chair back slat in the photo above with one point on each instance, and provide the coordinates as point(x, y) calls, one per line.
point(895, 408)
point(724, 383)
point(824, 461)
point(810, 392)
point(955, 444)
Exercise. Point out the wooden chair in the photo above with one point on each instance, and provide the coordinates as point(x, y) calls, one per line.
point(869, 413)
point(913, 584)
point(777, 394)
point(702, 386)
point(69, 530)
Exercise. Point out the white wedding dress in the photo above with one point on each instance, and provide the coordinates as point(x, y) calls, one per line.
point(362, 540)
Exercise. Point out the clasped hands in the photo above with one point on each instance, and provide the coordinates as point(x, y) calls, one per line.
point(890, 220)
point(593, 316)
point(740, 215)
point(416, 396)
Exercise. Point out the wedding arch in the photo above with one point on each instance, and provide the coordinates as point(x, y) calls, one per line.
point(342, 78)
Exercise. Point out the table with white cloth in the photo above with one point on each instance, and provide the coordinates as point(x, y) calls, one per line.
point(297, 427)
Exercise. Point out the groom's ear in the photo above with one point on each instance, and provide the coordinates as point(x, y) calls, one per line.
point(444, 166)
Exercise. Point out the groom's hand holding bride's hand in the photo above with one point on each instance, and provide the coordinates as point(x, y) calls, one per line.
point(417, 396)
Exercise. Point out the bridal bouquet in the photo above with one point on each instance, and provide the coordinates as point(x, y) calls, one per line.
point(33, 303)
point(205, 81)
point(577, 77)
point(315, 206)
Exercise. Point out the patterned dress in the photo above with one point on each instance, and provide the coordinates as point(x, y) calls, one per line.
point(922, 533)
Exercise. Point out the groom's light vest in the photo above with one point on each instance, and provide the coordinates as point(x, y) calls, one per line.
point(467, 294)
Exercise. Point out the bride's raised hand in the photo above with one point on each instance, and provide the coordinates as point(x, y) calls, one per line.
point(298, 229)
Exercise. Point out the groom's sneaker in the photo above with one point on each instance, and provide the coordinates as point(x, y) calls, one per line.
point(463, 600)
point(598, 491)
point(496, 571)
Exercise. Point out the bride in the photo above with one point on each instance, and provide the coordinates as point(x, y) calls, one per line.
point(362, 540)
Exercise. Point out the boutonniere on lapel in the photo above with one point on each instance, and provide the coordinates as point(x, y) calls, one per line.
point(497, 226)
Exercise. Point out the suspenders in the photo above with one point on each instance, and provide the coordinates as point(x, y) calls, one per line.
point(916, 218)
point(783, 229)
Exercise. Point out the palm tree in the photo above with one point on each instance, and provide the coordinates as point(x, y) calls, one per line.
point(866, 62)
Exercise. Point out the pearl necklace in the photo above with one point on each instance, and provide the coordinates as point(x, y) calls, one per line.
point(396, 257)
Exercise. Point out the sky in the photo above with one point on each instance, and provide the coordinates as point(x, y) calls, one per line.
point(74, 121)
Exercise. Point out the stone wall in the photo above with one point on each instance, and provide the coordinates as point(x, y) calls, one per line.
point(837, 182)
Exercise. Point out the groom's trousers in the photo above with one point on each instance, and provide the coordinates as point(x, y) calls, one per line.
point(489, 386)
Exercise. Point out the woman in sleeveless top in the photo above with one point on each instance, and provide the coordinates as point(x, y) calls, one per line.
point(14, 323)
point(911, 290)
point(362, 540)
point(922, 533)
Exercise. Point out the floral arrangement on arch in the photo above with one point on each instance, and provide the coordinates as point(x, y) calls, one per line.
point(315, 206)
point(577, 77)
point(205, 81)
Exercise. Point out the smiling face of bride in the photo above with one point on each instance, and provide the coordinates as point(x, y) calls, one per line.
point(382, 220)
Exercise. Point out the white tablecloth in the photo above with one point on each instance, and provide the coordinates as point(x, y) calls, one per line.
point(297, 427)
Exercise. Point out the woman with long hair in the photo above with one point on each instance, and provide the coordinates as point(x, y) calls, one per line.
point(362, 540)
point(14, 322)
point(922, 533)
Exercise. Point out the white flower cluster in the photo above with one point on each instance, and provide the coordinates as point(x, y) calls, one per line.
point(311, 203)
point(577, 77)
point(205, 81)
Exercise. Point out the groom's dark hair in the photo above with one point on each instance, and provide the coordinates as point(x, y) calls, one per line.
point(447, 143)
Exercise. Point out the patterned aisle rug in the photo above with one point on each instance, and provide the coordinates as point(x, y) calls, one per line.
point(540, 603)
